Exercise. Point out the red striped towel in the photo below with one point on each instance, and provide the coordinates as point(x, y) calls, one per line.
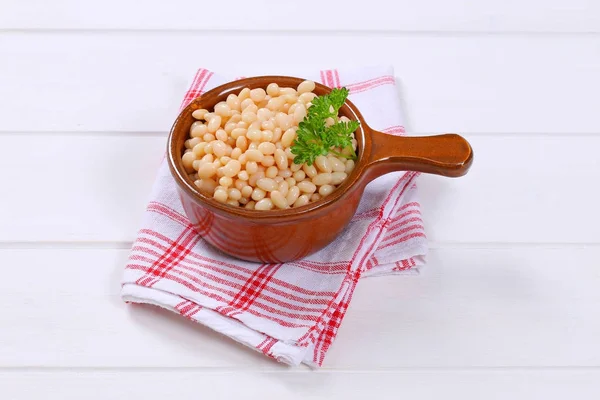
point(290, 312)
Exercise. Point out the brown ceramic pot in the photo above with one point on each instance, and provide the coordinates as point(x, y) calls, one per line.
point(284, 235)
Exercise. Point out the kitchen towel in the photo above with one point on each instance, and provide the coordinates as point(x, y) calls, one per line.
point(290, 312)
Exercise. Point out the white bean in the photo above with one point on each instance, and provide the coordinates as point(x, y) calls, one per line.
point(254, 134)
point(338, 177)
point(214, 124)
point(243, 175)
point(237, 132)
point(254, 155)
point(281, 159)
point(310, 170)
point(248, 117)
point(284, 121)
point(236, 153)
point(273, 89)
point(257, 95)
point(323, 164)
point(198, 129)
point(199, 113)
point(288, 137)
point(283, 187)
point(224, 160)
point(263, 114)
point(222, 109)
point(268, 161)
point(251, 166)
point(234, 194)
point(246, 103)
point(190, 143)
point(264, 204)
point(293, 107)
point(232, 168)
point(247, 191)
point(267, 148)
point(267, 184)
point(208, 137)
point(292, 194)
point(244, 94)
point(199, 149)
point(289, 99)
point(207, 170)
point(267, 125)
point(306, 98)
point(225, 181)
point(302, 201)
point(276, 103)
point(206, 186)
point(322, 179)
point(306, 86)
point(291, 181)
point(255, 177)
point(349, 166)
point(287, 90)
point(220, 195)
point(299, 175)
point(188, 161)
point(271, 172)
point(336, 164)
point(219, 148)
point(326, 190)
point(196, 164)
point(278, 199)
point(229, 126)
point(233, 102)
point(242, 143)
point(299, 113)
point(258, 194)
point(221, 135)
point(307, 187)
point(284, 173)
point(240, 184)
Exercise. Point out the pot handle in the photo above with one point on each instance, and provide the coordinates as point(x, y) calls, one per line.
point(448, 155)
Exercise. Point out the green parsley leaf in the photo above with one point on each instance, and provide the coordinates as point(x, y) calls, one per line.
point(314, 138)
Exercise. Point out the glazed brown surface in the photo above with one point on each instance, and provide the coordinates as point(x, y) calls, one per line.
point(283, 235)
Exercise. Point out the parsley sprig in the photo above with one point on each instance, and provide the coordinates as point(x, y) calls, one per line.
point(314, 138)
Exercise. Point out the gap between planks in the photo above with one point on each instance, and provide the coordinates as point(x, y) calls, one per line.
point(291, 32)
point(126, 245)
point(282, 369)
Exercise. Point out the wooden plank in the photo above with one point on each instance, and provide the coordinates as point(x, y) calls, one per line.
point(354, 15)
point(510, 306)
point(131, 81)
point(468, 385)
point(95, 188)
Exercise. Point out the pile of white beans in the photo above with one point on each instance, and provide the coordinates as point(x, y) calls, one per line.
point(240, 152)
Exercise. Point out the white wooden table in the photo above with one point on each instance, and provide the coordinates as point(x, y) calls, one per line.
point(509, 305)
